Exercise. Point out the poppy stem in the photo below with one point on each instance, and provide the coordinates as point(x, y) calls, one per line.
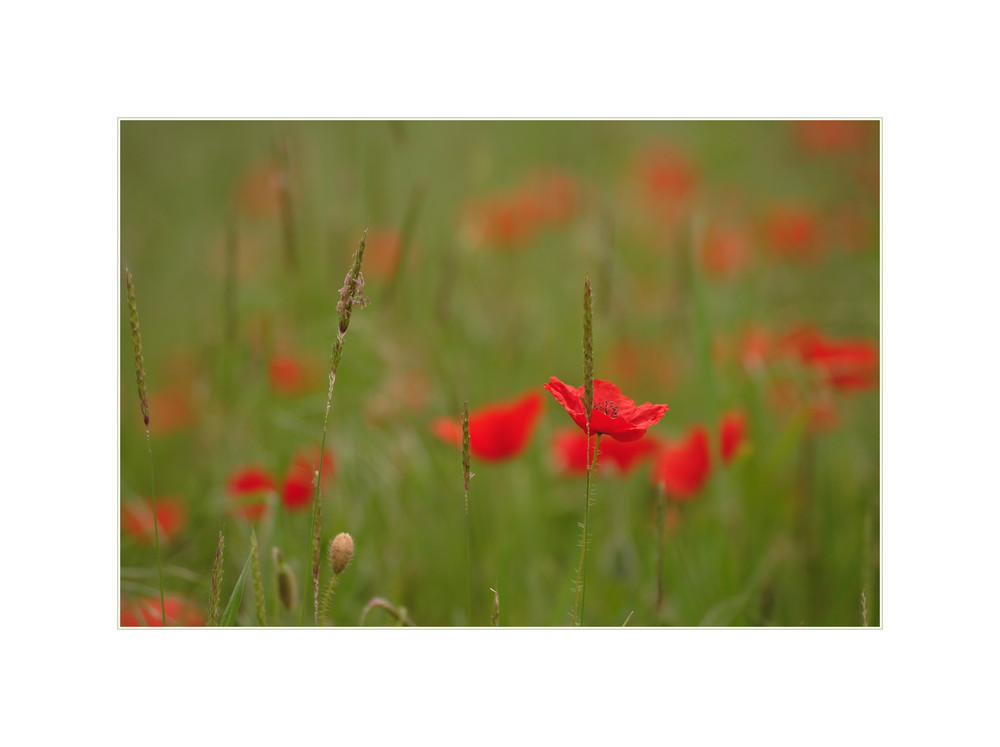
point(156, 528)
point(660, 500)
point(581, 572)
point(466, 475)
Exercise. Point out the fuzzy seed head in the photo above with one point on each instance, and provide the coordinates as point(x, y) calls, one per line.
point(341, 550)
point(350, 293)
point(140, 370)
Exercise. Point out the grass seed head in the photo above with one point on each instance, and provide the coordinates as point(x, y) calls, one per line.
point(140, 369)
point(341, 550)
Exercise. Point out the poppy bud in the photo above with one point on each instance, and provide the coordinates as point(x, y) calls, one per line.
point(341, 550)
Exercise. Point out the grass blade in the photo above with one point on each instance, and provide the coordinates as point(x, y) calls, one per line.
point(233, 607)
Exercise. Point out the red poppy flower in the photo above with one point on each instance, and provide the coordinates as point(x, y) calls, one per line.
point(146, 612)
point(249, 487)
point(170, 410)
point(288, 374)
point(834, 135)
point(844, 364)
point(613, 414)
point(732, 432)
point(137, 519)
point(666, 175)
point(724, 251)
point(792, 231)
point(497, 431)
point(683, 467)
point(570, 450)
point(298, 491)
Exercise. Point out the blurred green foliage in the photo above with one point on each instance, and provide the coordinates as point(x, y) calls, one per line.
point(787, 534)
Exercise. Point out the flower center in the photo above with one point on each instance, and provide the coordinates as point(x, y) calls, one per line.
point(608, 407)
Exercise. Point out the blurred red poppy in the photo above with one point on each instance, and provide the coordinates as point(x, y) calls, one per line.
point(844, 364)
point(683, 466)
point(570, 450)
point(170, 410)
point(146, 612)
point(554, 197)
point(497, 431)
point(613, 414)
point(512, 218)
point(724, 251)
point(137, 518)
point(833, 135)
point(299, 489)
point(732, 432)
point(666, 177)
point(249, 488)
point(792, 231)
point(286, 374)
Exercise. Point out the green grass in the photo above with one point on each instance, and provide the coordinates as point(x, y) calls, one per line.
point(775, 538)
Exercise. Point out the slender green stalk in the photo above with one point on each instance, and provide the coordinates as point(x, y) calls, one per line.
point(581, 573)
point(350, 295)
point(466, 474)
point(140, 380)
point(660, 502)
point(588, 405)
point(327, 598)
point(258, 584)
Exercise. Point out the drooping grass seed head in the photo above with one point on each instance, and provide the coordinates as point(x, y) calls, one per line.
point(341, 550)
point(140, 370)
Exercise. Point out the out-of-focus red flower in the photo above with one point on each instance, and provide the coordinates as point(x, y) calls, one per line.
point(497, 431)
point(613, 413)
point(792, 231)
point(286, 374)
point(146, 612)
point(833, 135)
point(683, 466)
point(724, 251)
point(732, 432)
point(298, 490)
point(382, 252)
point(170, 410)
point(755, 347)
point(554, 197)
point(666, 177)
point(512, 218)
point(569, 447)
point(844, 364)
point(249, 487)
point(137, 518)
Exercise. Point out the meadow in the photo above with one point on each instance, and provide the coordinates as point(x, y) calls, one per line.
point(734, 269)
